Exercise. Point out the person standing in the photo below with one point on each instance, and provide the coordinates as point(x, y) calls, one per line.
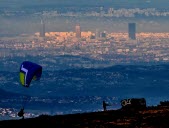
point(21, 113)
point(105, 105)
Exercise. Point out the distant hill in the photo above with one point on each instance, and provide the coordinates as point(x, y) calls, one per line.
point(76, 3)
point(11, 99)
point(8, 94)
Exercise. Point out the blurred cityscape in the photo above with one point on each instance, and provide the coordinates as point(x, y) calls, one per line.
point(120, 47)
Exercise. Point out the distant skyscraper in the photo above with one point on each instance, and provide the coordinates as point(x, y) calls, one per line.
point(78, 31)
point(103, 34)
point(97, 34)
point(42, 32)
point(132, 31)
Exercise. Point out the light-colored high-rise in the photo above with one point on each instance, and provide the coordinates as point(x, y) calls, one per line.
point(78, 31)
point(42, 32)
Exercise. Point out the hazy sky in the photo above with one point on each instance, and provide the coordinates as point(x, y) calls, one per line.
point(11, 24)
point(115, 3)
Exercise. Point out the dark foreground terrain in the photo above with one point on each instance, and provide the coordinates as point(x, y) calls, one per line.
point(151, 117)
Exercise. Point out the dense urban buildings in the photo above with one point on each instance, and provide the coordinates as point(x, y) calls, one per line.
point(113, 47)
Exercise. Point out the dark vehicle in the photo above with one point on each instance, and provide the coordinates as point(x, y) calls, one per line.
point(164, 103)
point(133, 103)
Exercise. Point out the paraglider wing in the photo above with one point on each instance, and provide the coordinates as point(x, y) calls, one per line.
point(29, 71)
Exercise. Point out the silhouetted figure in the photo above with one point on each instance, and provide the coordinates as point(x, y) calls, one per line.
point(21, 113)
point(105, 105)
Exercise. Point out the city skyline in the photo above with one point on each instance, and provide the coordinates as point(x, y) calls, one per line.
point(75, 28)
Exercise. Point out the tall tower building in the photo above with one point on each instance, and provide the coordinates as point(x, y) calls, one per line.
point(103, 34)
point(42, 32)
point(78, 31)
point(97, 34)
point(132, 31)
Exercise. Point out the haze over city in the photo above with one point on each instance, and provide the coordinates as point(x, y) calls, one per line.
point(24, 17)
